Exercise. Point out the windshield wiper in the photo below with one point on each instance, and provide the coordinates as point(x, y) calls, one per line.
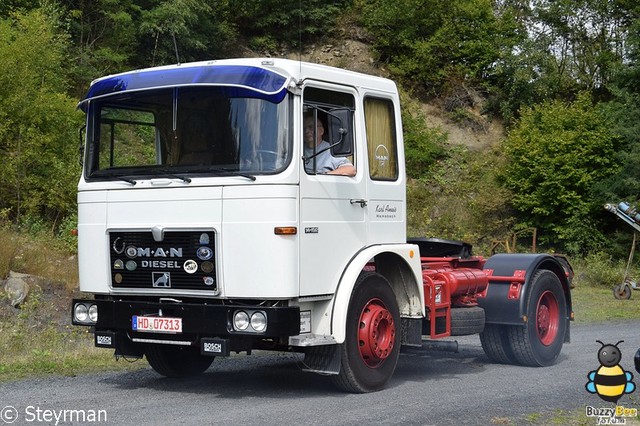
point(168, 174)
point(231, 172)
point(115, 176)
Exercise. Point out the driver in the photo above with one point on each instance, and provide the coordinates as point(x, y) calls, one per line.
point(325, 162)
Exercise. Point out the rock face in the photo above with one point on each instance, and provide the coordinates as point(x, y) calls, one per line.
point(16, 288)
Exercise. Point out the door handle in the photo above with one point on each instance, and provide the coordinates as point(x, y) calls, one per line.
point(363, 203)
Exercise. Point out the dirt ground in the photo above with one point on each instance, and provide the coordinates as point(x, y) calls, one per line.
point(47, 302)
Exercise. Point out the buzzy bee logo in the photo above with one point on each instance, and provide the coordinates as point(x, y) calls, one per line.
point(610, 381)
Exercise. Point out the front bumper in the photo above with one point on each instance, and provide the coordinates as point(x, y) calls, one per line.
point(198, 319)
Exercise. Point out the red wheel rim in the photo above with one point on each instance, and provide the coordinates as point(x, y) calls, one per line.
point(376, 333)
point(547, 318)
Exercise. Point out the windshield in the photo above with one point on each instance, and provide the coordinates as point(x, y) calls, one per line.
point(187, 130)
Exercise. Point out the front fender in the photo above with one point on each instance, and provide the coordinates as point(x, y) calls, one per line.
point(499, 307)
point(405, 279)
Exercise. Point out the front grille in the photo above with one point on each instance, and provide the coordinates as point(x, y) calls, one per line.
point(182, 260)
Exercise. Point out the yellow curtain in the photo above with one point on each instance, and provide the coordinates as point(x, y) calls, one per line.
point(381, 140)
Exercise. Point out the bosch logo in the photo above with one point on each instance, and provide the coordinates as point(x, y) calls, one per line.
point(213, 347)
point(103, 340)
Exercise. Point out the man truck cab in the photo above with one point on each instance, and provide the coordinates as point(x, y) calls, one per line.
point(204, 228)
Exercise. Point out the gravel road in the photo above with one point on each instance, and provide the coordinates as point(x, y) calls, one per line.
point(428, 388)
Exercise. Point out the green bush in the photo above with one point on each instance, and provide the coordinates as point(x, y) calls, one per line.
point(433, 43)
point(557, 154)
point(599, 269)
point(38, 121)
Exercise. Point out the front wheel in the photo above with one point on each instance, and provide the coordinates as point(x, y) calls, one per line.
point(372, 346)
point(539, 341)
point(177, 361)
point(622, 292)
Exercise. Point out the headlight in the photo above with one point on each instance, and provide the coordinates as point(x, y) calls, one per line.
point(241, 320)
point(250, 321)
point(93, 313)
point(259, 321)
point(81, 313)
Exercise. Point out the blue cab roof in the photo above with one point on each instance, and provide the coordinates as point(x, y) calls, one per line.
point(244, 79)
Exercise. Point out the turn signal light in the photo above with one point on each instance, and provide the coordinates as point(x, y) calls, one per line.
point(285, 230)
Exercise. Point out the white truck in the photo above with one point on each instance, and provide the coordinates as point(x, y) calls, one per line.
point(205, 228)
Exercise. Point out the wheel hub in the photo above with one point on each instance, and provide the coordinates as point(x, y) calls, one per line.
point(376, 333)
point(547, 318)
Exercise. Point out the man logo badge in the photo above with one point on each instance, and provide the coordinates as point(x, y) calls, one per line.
point(161, 279)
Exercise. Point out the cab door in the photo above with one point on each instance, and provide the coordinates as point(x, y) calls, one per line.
point(386, 181)
point(333, 208)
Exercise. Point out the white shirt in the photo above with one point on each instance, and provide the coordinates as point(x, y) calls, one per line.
point(325, 162)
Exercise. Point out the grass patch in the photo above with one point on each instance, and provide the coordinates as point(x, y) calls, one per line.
point(34, 349)
point(597, 304)
point(79, 356)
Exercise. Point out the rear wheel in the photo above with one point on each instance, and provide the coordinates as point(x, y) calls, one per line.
point(539, 342)
point(370, 352)
point(177, 361)
point(495, 342)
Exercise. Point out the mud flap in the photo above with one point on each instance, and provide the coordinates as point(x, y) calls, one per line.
point(322, 359)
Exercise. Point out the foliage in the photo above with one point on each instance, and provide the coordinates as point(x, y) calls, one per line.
point(556, 154)
point(463, 178)
point(38, 120)
point(623, 111)
point(423, 145)
point(437, 45)
point(95, 49)
point(271, 23)
point(599, 269)
point(198, 30)
point(475, 56)
point(567, 46)
point(110, 36)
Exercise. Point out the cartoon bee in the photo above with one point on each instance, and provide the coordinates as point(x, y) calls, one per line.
point(610, 381)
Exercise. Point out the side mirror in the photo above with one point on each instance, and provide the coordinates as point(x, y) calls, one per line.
point(340, 122)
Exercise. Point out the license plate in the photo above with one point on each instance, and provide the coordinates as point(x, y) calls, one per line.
point(156, 324)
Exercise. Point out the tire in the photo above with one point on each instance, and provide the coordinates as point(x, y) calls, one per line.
point(466, 321)
point(622, 292)
point(177, 361)
point(370, 352)
point(539, 342)
point(495, 343)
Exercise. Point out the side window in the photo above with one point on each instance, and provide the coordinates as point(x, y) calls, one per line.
point(328, 137)
point(381, 139)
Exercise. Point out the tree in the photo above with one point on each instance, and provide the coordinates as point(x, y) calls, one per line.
point(623, 111)
point(38, 134)
point(197, 29)
point(103, 37)
point(567, 46)
point(435, 44)
point(556, 154)
point(270, 24)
